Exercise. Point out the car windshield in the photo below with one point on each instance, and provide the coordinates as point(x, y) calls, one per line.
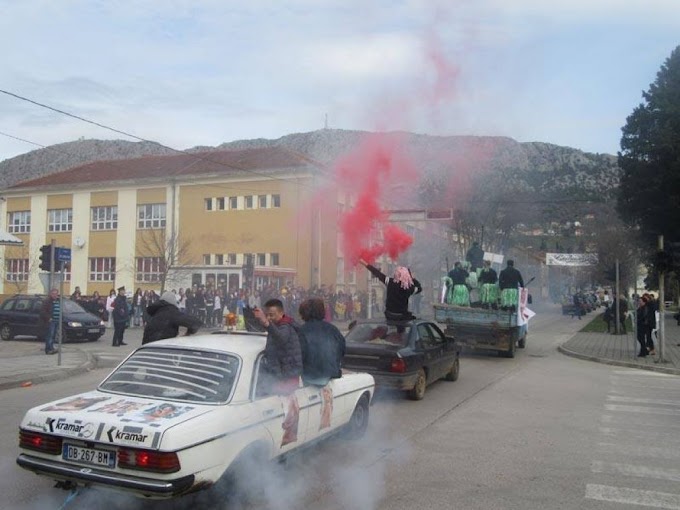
point(72, 307)
point(376, 333)
point(175, 374)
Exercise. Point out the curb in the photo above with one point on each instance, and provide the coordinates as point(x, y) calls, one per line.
point(627, 364)
point(56, 375)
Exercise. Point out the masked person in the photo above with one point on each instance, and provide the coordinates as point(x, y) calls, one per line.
point(458, 290)
point(165, 319)
point(400, 288)
point(510, 280)
point(489, 290)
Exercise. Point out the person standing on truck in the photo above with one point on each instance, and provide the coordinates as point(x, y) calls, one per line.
point(400, 288)
point(509, 281)
point(459, 294)
point(488, 279)
point(475, 256)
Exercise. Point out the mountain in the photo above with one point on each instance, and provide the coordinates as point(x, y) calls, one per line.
point(530, 167)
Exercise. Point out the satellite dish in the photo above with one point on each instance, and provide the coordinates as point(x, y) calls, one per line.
point(79, 242)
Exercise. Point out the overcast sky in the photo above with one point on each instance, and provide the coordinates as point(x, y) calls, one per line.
point(193, 72)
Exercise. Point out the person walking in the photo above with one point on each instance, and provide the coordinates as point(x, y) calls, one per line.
point(120, 317)
point(49, 319)
point(137, 307)
point(109, 307)
point(165, 319)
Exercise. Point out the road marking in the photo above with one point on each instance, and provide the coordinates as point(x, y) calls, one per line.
point(636, 435)
point(634, 450)
point(634, 400)
point(614, 468)
point(636, 421)
point(633, 496)
point(641, 409)
point(642, 374)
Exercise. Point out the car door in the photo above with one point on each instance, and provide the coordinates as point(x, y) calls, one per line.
point(25, 322)
point(275, 413)
point(39, 329)
point(325, 407)
point(432, 350)
point(449, 348)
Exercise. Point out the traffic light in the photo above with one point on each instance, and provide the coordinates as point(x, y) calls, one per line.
point(46, 257)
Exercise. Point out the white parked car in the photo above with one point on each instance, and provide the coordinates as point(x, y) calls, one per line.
point(180, 414)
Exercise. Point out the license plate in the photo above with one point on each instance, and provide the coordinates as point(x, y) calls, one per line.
point(93, 330)
point(91, 456)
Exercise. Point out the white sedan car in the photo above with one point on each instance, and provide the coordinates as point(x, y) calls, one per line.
point(180, 414)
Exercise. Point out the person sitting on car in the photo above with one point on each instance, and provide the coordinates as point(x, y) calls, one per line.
point(323, 345)
point(400, 288)
point(165, 320)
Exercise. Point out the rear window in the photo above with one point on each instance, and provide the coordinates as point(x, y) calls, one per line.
point(175, 374)
point(386, 334)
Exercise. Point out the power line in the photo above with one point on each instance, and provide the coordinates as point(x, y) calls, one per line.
point(125, 133)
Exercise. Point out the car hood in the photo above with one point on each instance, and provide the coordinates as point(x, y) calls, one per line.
point(80, 317)
point(111, 419)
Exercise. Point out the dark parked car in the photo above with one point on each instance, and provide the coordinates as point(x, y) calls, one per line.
point(20, 315)
point(406, 355)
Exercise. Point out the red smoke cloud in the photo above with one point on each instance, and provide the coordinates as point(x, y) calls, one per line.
point(372, 175)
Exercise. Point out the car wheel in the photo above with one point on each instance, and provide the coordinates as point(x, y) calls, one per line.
point(418, 391)
point(239, 482)
point(452, 374)
point(6, 332)
point(511, 352)
point(358, 422)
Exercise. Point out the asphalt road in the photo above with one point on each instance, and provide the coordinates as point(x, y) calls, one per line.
point(540, 431)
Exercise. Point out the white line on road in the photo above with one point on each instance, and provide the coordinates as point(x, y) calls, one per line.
point(633, 450)
point(635, 435)
point(634, 400)
point(615, 468)
point(641, 409)
point(638, 421)
point(642, 374)
point(633, 496)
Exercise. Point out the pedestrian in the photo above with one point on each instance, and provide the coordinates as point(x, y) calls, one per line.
point(400, 287)
point(120, 317)
point(323, 345)
point(641, 325)
point(165, 319)
point(109, 306)
point(650, 311)
point(49, 320)
point(510, 280)
point(217, 313)
point(137, 307)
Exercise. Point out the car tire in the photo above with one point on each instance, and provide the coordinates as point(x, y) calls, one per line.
point(418, 391)
point(238, 481)
point(511, 352)
point(452, 375)
point(6, 332)
point(358, 422)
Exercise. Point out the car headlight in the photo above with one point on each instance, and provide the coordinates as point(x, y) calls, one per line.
point(75, 324)
point(102, 323)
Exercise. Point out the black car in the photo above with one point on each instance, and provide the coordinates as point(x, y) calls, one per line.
point(404, 355)
point(20, 315)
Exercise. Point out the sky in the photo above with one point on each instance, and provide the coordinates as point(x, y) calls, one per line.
point(204, 72)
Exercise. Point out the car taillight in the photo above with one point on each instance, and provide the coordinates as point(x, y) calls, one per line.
point(148, 460)
point(39, 442)
point(398, 365)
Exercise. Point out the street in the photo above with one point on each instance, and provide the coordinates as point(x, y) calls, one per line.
point(540, 431)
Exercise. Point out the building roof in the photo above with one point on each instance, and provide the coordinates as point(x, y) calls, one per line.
point(180, 165)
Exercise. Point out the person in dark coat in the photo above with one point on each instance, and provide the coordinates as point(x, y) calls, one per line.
point(509, 282)
point(282, 353)
point(475, 256)
point(121, 315)
point(400, 288)
point(323, 345)
point(165, 319)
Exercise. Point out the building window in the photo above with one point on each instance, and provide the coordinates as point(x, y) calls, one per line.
point(60, 220)
point(151, 216)
point(219, 259)
point(276, 200)
point(102, 269)
point(274, 258)
point(261, 259)
point(105, 218)
point(233, 202)
point(231, 259)
point(220, 204)
point(208, 204)
point(17, 270)
point(19, 222)
point(206, 259)
point(248, 259)
point(149, 269)
point(262, 201)
point(248, 199)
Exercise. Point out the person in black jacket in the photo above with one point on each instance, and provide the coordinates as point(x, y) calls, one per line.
point(400, 288)
point(165, 319)
point(323, 345)
point(509, 281)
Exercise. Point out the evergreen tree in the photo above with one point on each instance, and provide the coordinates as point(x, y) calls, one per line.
point(649, 195)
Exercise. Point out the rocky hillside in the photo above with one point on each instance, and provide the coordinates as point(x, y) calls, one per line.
point(531, 167)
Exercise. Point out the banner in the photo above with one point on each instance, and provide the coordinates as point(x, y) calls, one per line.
point(571, 259)
point(524, 314)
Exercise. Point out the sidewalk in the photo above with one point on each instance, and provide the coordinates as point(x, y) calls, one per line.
point(622, 350)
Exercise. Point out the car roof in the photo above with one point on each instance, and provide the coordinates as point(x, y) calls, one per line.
point(246, 344)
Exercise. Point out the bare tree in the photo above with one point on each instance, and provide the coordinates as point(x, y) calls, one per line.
point(20, 252)
point(169, 253)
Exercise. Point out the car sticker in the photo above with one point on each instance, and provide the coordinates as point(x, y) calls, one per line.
point(164, 411)
point(291, 421)
point(127, 434)
point(71, 428)
point(120, 407)
point(326, 406)
point(74, 404)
